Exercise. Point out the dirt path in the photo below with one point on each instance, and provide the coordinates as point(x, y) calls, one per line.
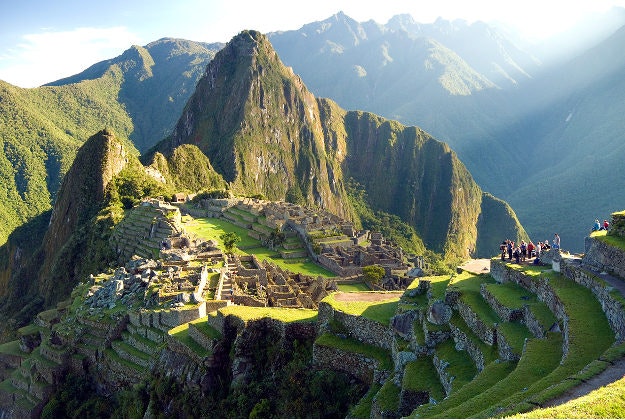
point(613, 373)
point(480, 266)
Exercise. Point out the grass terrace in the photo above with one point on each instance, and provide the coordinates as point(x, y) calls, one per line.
point(356, 287)
point(362, 410)
point(438, 286)
point(381, 311)
point(589, 337)
point(615, 241)
point(541, 356)
point(514, 296)
point(287, 315)
point(421, 375)
point(461, 366)
point(469, 286)
point(607, 402)
point(295, 265)
point(211, 228)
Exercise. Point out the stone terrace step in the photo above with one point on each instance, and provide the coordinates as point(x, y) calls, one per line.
point(131, 354)
point(141, 343)
point(455, 368)
point(124, 367)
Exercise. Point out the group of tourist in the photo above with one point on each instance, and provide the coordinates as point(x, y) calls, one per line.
point(599, 226)
point(524, 251)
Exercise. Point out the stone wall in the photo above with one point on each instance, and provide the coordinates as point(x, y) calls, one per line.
point(611, 301)
point(505, 313)
point(604, 257)
point(336, 268)
point(486, 333)
point(463, 342)
point(502, 273)
point(506, 352)
point(358, 327)
point(364, 368)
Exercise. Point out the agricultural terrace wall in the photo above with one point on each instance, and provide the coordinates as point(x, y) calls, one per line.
point(336, 268)
point(503, 273)
point(366, 369)
point(604, 257)
point(611, 301)
point(358, 327)
point(463, 342)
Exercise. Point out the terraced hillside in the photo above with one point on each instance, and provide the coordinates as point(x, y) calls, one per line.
point(467, 345)
point(486, 345)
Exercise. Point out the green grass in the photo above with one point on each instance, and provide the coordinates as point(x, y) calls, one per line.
point(362, 410)
point(461, 366)
point(295, 265)
point(589, 337)
point(211, 228)
point(438, 285)
point(388, 396)
point(357, 287)
point(421, 375)
point(288, 315)
point(29, 329)
point(615, 241)
point(381, 311)
point(491, 375)
point(515, 334)
point(181, 333)
point(354, 346)
point(605, 402)
point(469, 286)
point(540, 358)
point(12, 348)
point(202, 325)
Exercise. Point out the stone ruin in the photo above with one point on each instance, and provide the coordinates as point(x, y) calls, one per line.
point(265, 284)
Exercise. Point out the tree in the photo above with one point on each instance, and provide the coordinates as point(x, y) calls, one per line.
point(229, 240)
point(373, 273)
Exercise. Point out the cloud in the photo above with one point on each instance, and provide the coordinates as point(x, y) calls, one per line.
point(51, 55)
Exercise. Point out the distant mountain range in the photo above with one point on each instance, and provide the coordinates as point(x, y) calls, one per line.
point(538, 125)
point(545, 138)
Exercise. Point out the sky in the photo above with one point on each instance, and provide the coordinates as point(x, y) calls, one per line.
point(46, 40)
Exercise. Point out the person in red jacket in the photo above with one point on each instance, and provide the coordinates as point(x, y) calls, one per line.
point(530, 249)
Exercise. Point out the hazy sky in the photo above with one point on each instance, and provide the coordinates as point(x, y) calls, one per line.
point(45, 40)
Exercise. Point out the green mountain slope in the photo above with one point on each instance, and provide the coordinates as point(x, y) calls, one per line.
point(157, 81)
point(138, 95)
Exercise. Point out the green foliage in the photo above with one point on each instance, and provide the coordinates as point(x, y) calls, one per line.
point(76, 397)
point(230, 239)
point(131, 185)
point(391, 226)
point(373, 273)
point(294, 195)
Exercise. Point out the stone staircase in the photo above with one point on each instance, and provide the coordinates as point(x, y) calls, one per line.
point(143, 231)
point(30, 385)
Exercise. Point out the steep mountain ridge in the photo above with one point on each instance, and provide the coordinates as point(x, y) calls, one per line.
point(138, 95)
point(259, 126)
point(539, 139)
point(266, 133)
point(157, 81)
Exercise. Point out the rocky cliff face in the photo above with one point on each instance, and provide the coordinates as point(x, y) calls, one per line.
point(79, 199)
